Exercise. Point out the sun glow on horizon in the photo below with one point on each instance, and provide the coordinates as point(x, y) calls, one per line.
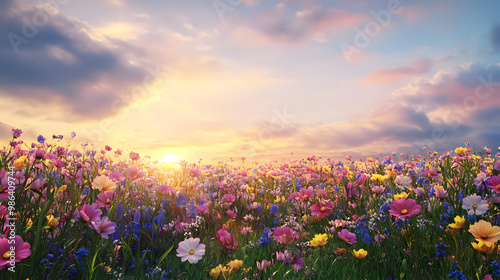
point(169, 158)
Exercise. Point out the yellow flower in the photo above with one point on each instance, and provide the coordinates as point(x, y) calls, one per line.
point(305, 218)
point(376, 177)
point(459, 223)
point(361, 253)
point(460, 150)
point(235, 265)
point(483, 231)
point(403, 195)
point(52, 222)
point(20, 162)
point(215, 272)
point(319, 240)
point(326, 169)
point(483, 248)
point(370, 159)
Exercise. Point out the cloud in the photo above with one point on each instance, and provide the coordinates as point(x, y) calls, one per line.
point(58, 64)
point(284, 26)
point(397, 74)
point(412, 119)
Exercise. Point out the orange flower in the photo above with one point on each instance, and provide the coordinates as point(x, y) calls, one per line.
point(103, 183)
point(483, 231)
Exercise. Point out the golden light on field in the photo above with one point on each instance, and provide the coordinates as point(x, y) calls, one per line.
point(170, 158)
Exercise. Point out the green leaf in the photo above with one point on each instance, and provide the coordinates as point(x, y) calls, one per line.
point(165, 255)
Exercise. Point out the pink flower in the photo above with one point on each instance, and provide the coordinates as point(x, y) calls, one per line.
point(322, 209)
point(16, 133)
point(227, 239)
point(246, 231)
point(201, 208)
point(347, 237)
point(135, 173)
point(262, 266)
point(284, 235)
point(104, 227)
point(105, 199)
point(191, 250)
point(134, 156)
point(494, 183)
point(378, 189)
point(231, 213)
point(90, 213)
point(164, 189)
point(9, 257)
point(402, 208)
point(440, 192)
point(228, 198)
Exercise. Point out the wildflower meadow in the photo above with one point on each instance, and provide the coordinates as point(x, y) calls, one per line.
point(73, 211)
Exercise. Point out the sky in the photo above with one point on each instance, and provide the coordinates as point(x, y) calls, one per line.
point(261, 79)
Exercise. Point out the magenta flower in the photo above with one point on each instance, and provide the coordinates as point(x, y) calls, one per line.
point(90, 213)
point(284, 235)
point(494, 183)
point(402, 208)
point(191, 250)
point(105, 199)
point(347, 236)
point(104, 227)
point(9, 257)
point(322, 209)
point(228, 198)
point(16, 133)
point(227, 239)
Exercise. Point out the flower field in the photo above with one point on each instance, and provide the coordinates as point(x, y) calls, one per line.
point(75, 212)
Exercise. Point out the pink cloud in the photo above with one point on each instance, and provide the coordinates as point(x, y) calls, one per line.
point(391, 75)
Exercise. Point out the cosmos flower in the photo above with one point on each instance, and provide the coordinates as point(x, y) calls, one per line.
point(402, 208)
point(191, 250)
point(402, 182)
point(475, 205)
point(105, 199)
point(90, 213)
point(103, 183)
point(319, 240)
point(494, 183)
point(347, 237)
point(104, 227)
point(21, 251)
point(483, 231)
point(322, 209)
point(284, 235)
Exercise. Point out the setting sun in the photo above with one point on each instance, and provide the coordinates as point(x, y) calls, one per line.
point(170, 158)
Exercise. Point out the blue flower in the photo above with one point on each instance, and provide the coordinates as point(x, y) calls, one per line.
point(41, 139)
point(274, 209)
